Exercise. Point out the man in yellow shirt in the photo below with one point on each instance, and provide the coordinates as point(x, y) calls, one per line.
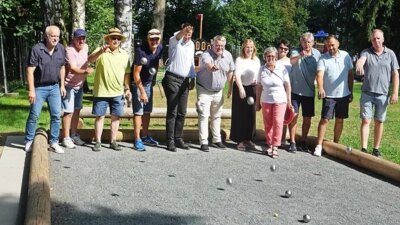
point(111, 84)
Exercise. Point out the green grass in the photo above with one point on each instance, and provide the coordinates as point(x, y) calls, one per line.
point(14, 111)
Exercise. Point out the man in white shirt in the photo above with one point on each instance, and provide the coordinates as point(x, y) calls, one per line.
point(176, 81)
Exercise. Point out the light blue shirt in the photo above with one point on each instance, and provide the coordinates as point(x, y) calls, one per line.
point(336, 73)
point(181, 57)
point(302, 75)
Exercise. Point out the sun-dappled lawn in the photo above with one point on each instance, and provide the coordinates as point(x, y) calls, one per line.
point(14, 111)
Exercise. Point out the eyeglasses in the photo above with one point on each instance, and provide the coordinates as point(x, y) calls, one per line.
point(115, 38)
point(284, 49)
point(154, 39)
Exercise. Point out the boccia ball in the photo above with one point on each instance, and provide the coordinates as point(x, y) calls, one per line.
point(273, 168)
point(250, 100)
point(143, 60)
point(288, 194)
point(306, 218)
point(229, 181)
point(152, 71)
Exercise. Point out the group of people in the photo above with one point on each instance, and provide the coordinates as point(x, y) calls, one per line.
point(288, 83)
point(281, 84)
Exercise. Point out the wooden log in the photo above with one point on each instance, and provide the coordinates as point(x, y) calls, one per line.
point(38, 208)
point(355, 156)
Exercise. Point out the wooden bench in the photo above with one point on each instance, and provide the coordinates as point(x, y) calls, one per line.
point(191, 113)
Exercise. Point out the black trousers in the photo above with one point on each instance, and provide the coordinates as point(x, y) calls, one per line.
point(176, 90)
point(243, 121)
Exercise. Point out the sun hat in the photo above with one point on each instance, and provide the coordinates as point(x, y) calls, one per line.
point(289, 115)
point(154, 33)
point(79, 33)
point(114, 32)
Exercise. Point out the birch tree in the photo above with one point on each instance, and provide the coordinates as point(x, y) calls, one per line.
point(78, 14)
point(123, 20)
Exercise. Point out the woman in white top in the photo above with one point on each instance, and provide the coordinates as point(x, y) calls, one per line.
point(272, 96)
point(243, 122)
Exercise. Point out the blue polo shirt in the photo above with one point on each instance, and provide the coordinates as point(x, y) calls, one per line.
point(336, 73)
point(302, 75)
point(152, 62)
point(48, 66)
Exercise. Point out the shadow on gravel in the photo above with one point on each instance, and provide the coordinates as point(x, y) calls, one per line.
point(66, 214)
point(362, 170)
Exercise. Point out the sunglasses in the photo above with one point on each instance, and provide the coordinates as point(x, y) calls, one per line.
point(284, 49)
point(154, 39)
point(115, 38)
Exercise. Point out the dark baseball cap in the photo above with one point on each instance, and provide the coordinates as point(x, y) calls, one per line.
point(80, 33)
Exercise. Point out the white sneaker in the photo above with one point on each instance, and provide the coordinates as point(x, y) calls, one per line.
point(77, 140)
point(57, 148)
point(318, 150)
point(28, 146)
point(67, 142)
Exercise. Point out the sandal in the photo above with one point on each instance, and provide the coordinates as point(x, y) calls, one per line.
point(269, 151)
point(241, 146)
point(275, 154)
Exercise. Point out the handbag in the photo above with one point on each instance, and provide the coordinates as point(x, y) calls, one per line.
point(289, 115)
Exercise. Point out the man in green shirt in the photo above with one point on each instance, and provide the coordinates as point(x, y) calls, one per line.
point(111, 84)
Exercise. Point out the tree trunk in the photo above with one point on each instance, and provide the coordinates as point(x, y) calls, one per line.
point(53, 16)
point(123, 20)
point(159, 15)
point(78, 14)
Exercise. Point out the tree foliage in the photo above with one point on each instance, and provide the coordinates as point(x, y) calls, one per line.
point(265, 21)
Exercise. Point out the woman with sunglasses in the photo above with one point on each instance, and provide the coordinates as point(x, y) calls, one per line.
point(273, 96)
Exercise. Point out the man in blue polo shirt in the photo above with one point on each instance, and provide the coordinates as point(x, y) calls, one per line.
point(45, 75)
point(379, 66)
point(144, 69)
point(302, 76)
point(335, 87)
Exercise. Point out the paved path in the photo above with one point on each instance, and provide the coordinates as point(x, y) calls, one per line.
point(189, 187)
point(12, 165)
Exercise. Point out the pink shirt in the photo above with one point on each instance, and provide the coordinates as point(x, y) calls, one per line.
point(79, 59)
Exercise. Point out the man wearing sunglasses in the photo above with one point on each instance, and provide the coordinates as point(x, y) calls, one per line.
point(111, 84)
point(145, 66)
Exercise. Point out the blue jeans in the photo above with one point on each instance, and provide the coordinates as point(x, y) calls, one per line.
point(50, 94)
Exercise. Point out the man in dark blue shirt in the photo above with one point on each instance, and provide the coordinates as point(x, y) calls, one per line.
point(144, 69)
point(45, 75)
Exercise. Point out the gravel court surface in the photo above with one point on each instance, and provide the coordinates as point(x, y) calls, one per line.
point(190, 187)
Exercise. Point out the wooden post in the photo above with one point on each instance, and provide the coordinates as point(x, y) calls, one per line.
point(38, 207)
point(2, 62)
point(201, 26)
